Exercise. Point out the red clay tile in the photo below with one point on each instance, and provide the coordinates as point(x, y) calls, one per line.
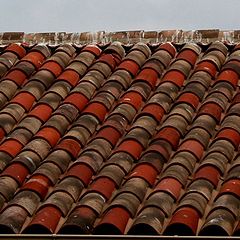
point(17, 171)
point(232, 186)
point(77, 99)
point(145, 171)
point(133, 98)
point(160, 150)
point(42, 112)
point(171, 186)
point(192, 146)
point(209, 173)
point(96, 109)
point(38, 184)
point(2, 133)
point(175, 77)
point(49, 134)
point(53, 67)
point(45, 221)
point(69, 76)
point(92, 49)
point(24, 99)
point(228, 76)
point(16, 76)
point(81, 171)
point(231, 135)
point(168, 47)
point(103, 185)
point(130, 146)
point(211, 109)
point(154, 110)
point(16, 49)
point(208, 67)
point(108, 59)
point(110, 224)
point(147, 75)
point(35, 57)
point(110, 134)
point(170, 135)
point(189, 98)
point(12, 147)
point(188, 55)
point(129, 65)
point(184, 222)
point(69, 145)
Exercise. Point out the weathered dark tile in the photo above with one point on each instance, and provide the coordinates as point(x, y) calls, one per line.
point(219, 223)
point(148, 222)
point(12, 219)
point(27, 200)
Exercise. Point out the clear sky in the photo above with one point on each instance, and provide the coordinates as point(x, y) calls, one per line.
point(117, 15)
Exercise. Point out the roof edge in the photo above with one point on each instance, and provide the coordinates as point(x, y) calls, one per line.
point(126, 37)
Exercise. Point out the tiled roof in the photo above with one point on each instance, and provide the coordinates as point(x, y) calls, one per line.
point(134, 139)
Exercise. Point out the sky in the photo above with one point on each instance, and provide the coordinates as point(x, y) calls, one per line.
point(117, 15)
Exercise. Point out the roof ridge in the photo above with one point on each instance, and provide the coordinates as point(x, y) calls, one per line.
point(179, 36)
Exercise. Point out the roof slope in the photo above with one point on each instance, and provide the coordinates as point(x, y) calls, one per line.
point(120, 139)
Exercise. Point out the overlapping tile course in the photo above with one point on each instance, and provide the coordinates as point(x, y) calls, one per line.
point(120, 139)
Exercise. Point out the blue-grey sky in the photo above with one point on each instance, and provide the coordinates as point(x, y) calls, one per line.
point(117, 15)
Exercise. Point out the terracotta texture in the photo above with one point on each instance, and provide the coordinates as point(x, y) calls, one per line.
point(120, 137)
